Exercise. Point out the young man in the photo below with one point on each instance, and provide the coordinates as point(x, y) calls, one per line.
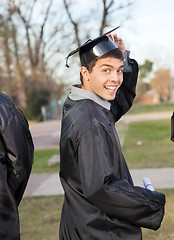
point(101, 201)
point(16, 159)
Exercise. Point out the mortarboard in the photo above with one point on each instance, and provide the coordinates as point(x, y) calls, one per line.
point(93, 49)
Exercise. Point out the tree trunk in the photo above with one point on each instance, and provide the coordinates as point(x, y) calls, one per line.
point(21, 97)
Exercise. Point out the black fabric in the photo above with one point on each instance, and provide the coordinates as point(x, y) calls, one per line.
point(101, 201)
point(126, 93)
point(9, 222)
point(16, 159)
point(172, 128)
point(93, 49)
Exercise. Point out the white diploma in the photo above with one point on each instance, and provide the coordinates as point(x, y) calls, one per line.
point(147, 184)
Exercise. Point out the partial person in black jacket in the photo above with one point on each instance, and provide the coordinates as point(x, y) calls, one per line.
point(101, 201)
point(16, 159)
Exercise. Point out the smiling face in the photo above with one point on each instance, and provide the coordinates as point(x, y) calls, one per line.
point(105, 78)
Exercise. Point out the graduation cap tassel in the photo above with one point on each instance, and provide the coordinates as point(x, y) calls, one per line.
point(69, 55)
point(66, 64)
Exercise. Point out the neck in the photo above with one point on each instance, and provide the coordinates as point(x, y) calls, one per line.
point(83, 87)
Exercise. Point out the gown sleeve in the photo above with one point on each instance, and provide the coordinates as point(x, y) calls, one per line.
point(126, 93)
point(172, 128)
point(9, 222)
point(112, 194)
point(18, 145)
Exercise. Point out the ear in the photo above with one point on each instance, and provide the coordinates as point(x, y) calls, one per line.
point(85, 73)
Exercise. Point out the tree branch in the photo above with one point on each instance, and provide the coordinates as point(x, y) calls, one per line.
point(105, 14)
point(26, 24)
point(38, 43)
point(75, 25)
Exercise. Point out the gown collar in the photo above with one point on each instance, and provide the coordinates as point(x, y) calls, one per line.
point(77, 93)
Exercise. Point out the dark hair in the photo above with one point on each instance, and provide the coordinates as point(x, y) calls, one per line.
point(115, 53)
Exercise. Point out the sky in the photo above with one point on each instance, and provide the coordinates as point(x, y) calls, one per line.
point(152, 32)
point(149, 34)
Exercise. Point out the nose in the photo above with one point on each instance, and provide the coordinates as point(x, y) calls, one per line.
point(114, 76)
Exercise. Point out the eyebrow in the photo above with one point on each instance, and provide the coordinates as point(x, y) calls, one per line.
point(108, 65)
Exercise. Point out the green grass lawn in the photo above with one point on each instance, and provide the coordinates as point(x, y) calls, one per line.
point(41, 158)
point(40, 218)
point(141, 108)
point(156, 150)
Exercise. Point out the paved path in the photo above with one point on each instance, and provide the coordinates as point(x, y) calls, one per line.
point(49, 184)
point(43, 185)
point(146, 116)
point(47, 134)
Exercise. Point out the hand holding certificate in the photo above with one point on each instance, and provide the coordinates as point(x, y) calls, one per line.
point(147, 184)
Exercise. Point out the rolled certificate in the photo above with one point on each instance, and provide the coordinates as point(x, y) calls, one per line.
point(147, 184)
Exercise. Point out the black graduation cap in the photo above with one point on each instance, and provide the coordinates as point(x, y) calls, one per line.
point(93, 49)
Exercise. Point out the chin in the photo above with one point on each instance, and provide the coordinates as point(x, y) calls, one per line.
point(110, 98)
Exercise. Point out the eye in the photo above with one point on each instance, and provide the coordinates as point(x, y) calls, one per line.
point(120, 70)
point(106, 70)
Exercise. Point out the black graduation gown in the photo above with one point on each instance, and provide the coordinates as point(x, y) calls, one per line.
point(172, 128)
point(101, 201)
point(16, 159)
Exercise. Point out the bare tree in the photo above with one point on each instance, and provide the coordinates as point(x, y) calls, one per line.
point(7, 16)
point(26, 47)
point(35, 53)
point(21, 98)
point(75, 24)
point(108, 7)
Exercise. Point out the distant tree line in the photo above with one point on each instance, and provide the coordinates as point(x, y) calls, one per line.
point(159, 81)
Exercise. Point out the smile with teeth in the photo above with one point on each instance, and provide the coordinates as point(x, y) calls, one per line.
point(110, 88)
